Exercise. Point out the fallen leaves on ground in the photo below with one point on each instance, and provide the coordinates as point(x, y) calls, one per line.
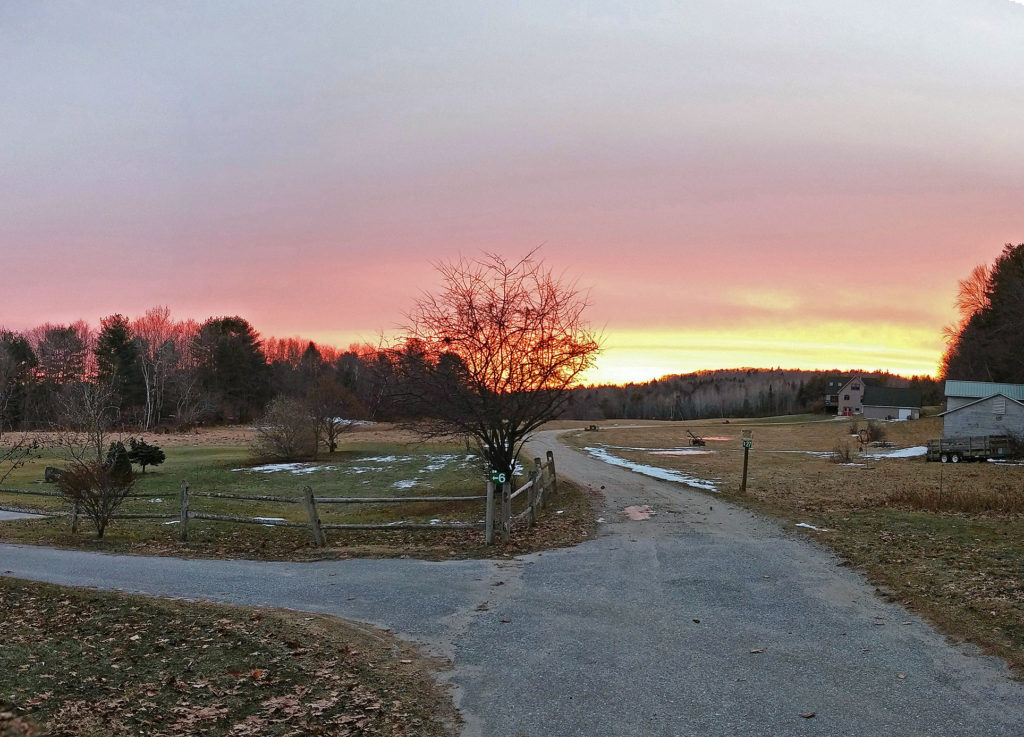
point(86, 663)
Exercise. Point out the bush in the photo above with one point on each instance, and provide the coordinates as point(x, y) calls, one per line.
point(287, 431)
point(876, 431)
point(841, 453)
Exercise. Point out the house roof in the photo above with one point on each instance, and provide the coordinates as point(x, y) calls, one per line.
point(978, 401)
point(983, 389)
point(888, 396)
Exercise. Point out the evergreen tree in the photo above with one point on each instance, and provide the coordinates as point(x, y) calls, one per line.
point(233, 369)
point(117, 360)
point(989, 344)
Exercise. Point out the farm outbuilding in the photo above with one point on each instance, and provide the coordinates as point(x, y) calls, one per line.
point(960, 393)
point(997, 414)
point(890, 403)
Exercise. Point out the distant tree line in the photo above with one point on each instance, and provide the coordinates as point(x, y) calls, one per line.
point(155, 373)
point(726, 393)
point(161, 373)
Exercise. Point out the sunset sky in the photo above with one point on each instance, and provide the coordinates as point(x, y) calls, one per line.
point(795, 184)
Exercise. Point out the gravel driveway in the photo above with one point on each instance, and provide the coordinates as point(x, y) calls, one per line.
point(702, 620)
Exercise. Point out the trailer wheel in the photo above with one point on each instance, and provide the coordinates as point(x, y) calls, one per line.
point(944, 458)
point(955, 458)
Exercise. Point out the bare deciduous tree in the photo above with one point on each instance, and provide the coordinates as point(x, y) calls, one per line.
point(492, 355)
point(97, 489)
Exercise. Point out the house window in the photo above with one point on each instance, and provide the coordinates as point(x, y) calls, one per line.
point(856, 388)
point(846, 397)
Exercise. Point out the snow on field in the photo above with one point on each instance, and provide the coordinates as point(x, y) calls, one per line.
point(811, 527)
point(664, 474)
point(439, 463)
point(405, 483)
point(682, 452)
point(299, 468)
point(268, 519)
point(914, 452)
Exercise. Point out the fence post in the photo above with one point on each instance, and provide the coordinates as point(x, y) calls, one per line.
point(489, 516)
point(76, 509)
point(314, 519)
point(183, 519)
point(506, 511)
point(542, 483)
point(554, 476)
point(536, 490)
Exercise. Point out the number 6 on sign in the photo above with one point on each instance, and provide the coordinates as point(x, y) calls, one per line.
point(497, 477)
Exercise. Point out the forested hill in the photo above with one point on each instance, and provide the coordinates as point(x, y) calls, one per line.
point(725, 393)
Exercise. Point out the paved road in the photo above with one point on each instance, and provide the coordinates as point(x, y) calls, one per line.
point(603, 640)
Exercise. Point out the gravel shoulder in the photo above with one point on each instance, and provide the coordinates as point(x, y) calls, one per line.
point(703, 619)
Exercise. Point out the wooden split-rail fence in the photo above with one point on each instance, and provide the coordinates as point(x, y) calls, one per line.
point(498, 503)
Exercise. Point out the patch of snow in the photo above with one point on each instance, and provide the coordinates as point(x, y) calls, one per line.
point(811, 527)
point(1004, 462)
point(268, 519)
point(600, 520)
point(405, 483)
point(851, 464)
point(439, 463)
point(560, 511)
point(682, 452)
point(173, 522)
point(914, 452)
point(300, 468)
point(155, 500)
point(664, 474)
point(386, 459)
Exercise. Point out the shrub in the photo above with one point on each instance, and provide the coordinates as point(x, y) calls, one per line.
point(287, 431)
point(876, 431)
point(841, 453)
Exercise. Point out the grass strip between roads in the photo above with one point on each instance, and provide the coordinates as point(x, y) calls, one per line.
point(87, 663)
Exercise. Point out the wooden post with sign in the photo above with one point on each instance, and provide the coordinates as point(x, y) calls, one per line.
point(748, 442)
point(489, 517)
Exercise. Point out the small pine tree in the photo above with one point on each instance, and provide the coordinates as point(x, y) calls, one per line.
point(144, 454)
point(117, 461)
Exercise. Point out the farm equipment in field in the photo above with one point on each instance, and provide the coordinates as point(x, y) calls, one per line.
point(696, 440)
point(974, 448)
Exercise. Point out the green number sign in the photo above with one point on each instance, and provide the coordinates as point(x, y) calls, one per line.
point(497, 477)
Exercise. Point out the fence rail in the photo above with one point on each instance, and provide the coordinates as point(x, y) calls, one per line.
point(542, 482)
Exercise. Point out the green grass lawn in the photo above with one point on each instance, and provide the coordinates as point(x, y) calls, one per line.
point(363, 470)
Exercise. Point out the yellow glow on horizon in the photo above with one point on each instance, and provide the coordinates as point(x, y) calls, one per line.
point(642, 355)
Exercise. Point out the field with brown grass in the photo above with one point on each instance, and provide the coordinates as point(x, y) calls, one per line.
point(946, 540)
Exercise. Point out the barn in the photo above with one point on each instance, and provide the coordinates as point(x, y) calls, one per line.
point(997, 414)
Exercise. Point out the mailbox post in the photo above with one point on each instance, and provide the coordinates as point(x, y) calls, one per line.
point(748, 442)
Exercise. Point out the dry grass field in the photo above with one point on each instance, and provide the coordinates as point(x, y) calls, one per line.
point(947, 540)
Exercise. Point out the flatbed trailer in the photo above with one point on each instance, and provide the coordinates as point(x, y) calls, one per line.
point(974, 448)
